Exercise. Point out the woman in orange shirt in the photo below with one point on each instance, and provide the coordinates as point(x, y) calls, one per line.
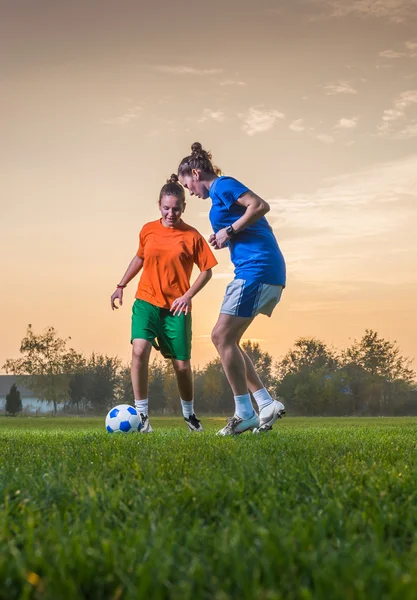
point(161, 317)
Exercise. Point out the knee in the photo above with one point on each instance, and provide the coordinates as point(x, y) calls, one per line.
point(215, 336)
point(182, 367)
point(139, 354)
point(219, 337)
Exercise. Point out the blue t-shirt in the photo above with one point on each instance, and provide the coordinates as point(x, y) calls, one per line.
point(254, 251)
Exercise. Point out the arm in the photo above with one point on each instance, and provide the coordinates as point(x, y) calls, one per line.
point(256, 208)
point(182, 304)
point(132, 270)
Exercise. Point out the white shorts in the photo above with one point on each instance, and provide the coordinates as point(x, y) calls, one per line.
point(247, 299)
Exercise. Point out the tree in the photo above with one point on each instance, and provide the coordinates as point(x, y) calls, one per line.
point(13, 401)
point(262, 361)
point(156, 382)
point(379, 376)
point(302, 375)
point(379, 357)
point(217, 395)
point(77, 367)
point(359, 383)
point(101, 381)
point(170, 390)
point(124, 390)
point(308, 354)
point(44, 366)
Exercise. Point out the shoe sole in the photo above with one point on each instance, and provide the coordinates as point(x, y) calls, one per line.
point(268, 426)
point(146, 431)
point(195, 430)
point(251, 428)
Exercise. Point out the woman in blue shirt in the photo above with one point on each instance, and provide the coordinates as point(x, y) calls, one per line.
point(238, 221)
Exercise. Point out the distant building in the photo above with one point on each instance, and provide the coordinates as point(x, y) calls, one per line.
point(31, 404)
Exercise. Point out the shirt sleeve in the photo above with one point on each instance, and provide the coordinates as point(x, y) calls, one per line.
point(203, 256)
point(228, 190)
point(140, 251)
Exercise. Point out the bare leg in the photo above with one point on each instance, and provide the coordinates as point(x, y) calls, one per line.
point(184, 376)
point(226, 336)
point(253, 381)
point(141, 351)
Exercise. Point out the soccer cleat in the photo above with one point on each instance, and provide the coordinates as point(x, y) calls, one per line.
point(269, 415)
point(146, 426)
point(236, 425)
point(193, 423)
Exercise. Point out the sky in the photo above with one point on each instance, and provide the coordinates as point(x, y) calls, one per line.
point(310, 103)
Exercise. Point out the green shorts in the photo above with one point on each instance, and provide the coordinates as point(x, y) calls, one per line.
point(168, 333)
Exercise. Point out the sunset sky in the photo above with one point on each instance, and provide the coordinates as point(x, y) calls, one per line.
point(310, 103)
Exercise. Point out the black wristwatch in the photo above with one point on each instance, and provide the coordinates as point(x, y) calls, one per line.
point(230, 231)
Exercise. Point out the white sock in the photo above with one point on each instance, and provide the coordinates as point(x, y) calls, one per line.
point(262, 398)
point(142, 406)
point(244, 408)
point(187, 408)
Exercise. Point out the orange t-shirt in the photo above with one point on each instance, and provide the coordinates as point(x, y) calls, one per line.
point(169, 256)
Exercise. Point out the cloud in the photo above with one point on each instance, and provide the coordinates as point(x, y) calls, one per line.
point(393, 119)
point(411, 45)
point(407, 132)
point(397, 11)
point(184, 70)
point(366, 216)
point(345, 123)
point(233, 82)
point(257, 120)
point(340, 87)
point(326, 139)
point(130, 115)
point(297, 125)
point(214, 115)
point(392, 54)
point(405, 99)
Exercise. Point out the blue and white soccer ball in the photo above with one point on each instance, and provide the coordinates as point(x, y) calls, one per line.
point(123, 419)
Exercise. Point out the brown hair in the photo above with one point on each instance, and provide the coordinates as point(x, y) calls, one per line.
point(172, 188)
point(198, 159)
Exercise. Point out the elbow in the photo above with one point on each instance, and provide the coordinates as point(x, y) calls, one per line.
point(265, 208)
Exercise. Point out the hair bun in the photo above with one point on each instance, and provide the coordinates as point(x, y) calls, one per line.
point(198, 159)
point(196, 148)
point(198, 152)
point(173, 178)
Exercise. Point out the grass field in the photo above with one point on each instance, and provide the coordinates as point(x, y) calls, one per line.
point(317, 508)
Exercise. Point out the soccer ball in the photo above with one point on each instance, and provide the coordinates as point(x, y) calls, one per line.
point(123, 419)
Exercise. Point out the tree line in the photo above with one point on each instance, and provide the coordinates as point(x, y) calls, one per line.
point(370, 377)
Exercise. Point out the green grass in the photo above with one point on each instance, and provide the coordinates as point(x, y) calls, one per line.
point(317, 508)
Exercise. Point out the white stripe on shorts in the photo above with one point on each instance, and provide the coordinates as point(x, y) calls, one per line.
point(247, 299)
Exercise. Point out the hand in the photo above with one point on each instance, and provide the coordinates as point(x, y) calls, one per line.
point(181, 305)
point(118, 295)
point(212, 240)
point(219, 240)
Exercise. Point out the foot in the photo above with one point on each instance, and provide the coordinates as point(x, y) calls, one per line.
point(269, 415)
point(193, 423)
point(146, 426)
point(237, 425)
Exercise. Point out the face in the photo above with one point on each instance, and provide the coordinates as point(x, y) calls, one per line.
point(194, 185)
point(171, 209)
